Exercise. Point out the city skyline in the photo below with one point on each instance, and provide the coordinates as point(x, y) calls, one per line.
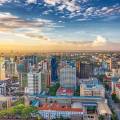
point(59, 25)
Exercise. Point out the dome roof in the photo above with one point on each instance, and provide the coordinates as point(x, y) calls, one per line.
point(77, 105)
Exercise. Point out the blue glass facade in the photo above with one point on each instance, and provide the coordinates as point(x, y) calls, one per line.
point(54, 67)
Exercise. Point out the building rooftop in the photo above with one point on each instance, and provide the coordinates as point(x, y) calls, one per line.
point(103, 109)
point(115, 79)
point(118, 85)
point(65, 91)
point(77, 105)
point(58, 107)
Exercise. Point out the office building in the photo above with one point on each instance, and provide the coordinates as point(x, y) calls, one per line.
point(54, 68)
point(68, 74)
point(84, 69)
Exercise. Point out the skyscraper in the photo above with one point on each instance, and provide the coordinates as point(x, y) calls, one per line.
point(34, 82)
point(84, 69)
point(10, 68)
point(68, 75)
point(54, 67)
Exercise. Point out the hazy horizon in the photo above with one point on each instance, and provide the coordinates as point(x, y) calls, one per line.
point(59, 25)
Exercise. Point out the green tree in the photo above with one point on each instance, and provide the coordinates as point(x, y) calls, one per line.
point(77, 91)
point(101, 77)
point(20, 111)
point(53, 89)
point(115, 98)
point(19, 101)
point(101, 117)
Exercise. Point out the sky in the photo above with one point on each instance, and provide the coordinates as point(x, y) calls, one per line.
point(59, 25)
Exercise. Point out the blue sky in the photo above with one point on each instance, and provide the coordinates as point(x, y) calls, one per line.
point(85, 22)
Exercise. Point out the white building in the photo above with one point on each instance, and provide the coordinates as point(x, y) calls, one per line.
point(68, 75)
point(34, 83)
point(92, 90)
point(116, 72)
point(43, 65)
point(55, 110)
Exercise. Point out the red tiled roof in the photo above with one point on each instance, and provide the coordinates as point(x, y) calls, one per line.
point(58, 107)
point(118, 85)
point(65, 90)
point(107, 78)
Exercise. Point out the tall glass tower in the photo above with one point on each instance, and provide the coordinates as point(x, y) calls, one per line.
point(54, 67)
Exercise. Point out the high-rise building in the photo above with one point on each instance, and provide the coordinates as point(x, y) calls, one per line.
point(45, 80)
point(34, 83)
point(2, 88)
point(43, 65)
point(54, 67)
point(30, 59)
point(10, 68)
point(21, 73)
point(2, 69)
point(84, 69)
point(68, 75)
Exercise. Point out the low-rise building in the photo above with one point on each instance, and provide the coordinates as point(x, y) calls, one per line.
point(92, 90)
point(65, 92)
point(117, 90)
point(56, 110)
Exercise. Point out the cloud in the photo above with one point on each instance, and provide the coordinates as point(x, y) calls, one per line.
point(25, 29)
point(69, 5)
point(77, 8)
point(61, 7)
point(4, 1)
point(31, 1)
point(100, 41)
point(37, 36)
point(82, 19)
point(98, 12)
point(9, 22)
point(52, 2)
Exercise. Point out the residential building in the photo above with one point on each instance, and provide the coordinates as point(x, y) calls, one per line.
point(10, 68)
point(34, 83)
point(2, 88)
